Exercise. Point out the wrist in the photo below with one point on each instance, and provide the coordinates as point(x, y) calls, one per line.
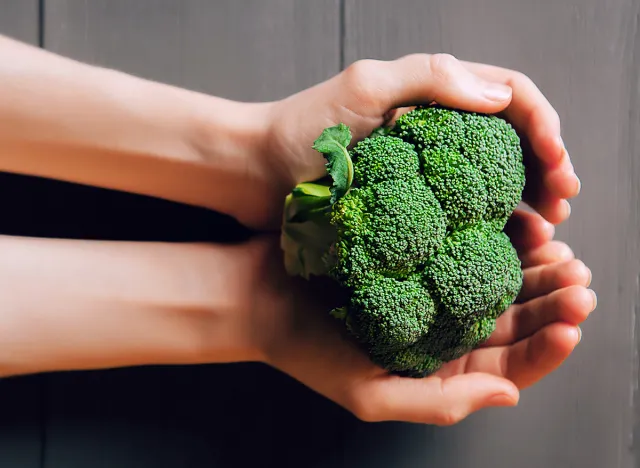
point(233, 140)
point(101, 127)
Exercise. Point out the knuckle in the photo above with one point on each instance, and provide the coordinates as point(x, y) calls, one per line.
point(364, 411)
point(363, 79)
point(520, 80)
point(448, 416)
point(564, 251)
point(366, 405)
point(523, 85)
point(578, 265)
point(443, 67)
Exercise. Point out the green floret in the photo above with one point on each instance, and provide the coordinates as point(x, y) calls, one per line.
point(409, 224)
point(392, 227)
point(379, 159)
point(513, 281)
point(470, 272)
point(432, 128)
point(493, 146)
point(388, 315)
point(458, 186)
point(488, 143)
point(412, 361)
point(452, 337)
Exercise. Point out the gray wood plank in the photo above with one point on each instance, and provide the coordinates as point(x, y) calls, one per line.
point(21, 399)
point(20, 19)
point(214, 416)
point(245, 50)
point(22, 421)
point(576, 51)
point(584, 56)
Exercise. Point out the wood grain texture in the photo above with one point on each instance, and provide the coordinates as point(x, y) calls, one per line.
point(245, 50)
point(20, 19)
point(584, 57)
point(22, 419)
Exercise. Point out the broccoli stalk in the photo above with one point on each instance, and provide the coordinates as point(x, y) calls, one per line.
point(307, 233)
point(409, 222)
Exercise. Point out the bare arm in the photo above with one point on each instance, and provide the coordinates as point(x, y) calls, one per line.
point(71, 121)
point(72, 305)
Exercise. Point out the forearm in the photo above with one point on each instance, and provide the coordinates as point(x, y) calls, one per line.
point(71, 305)
point(71, 121)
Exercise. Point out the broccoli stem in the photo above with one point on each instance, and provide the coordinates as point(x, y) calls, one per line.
point(307, 232)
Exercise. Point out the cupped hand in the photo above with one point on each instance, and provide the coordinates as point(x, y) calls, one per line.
point(533, 337)
point(369, 93)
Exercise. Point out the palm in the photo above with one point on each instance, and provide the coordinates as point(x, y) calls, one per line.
point(532, 338)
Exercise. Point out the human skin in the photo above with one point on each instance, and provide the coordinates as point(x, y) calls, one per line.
point(72, 305)
point(77, 305)
point(68, 120)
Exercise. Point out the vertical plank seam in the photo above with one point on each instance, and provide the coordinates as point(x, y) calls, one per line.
point(634, 171)
point(41, 21)
point(343, 32)
point(44, 419)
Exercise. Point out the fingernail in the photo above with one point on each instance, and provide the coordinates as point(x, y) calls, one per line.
point(578, 184)
point(563, 149)
point(579, 335)
point(567, 209)
point(595, 299)
point(590, 279)
point(501, 400)
point(497, 92)
point(551, 229)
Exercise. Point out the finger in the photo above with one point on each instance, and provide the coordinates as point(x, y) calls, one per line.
point(551, 252)
point(545, 188)
point(532, 114)
point(544, 279)
point(528, 230)
point(547, 183)
point(432, 400)
point(529, 111)
point(561, 181)
point(532, 359)
point(553, 209)
point(529, 360)
point(423, 79)
point(571, 305)
point(537, 195)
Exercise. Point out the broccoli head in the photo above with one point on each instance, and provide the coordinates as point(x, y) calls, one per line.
point(409, 222)
point(472, 161)
point(388, 227)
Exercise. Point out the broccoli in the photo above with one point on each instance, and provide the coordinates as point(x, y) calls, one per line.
point(409, 222)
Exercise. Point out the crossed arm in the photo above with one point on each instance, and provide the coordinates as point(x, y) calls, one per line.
point(78, 305)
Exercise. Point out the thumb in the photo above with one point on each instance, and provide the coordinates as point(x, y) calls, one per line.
point(423, 79)
point(434, 400)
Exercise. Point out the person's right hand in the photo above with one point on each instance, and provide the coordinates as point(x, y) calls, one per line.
point(370, 93)
point(533, 337)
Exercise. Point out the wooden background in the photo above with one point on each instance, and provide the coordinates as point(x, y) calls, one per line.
point(585, 56)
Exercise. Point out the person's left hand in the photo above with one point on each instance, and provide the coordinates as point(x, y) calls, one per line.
point(533, 337)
